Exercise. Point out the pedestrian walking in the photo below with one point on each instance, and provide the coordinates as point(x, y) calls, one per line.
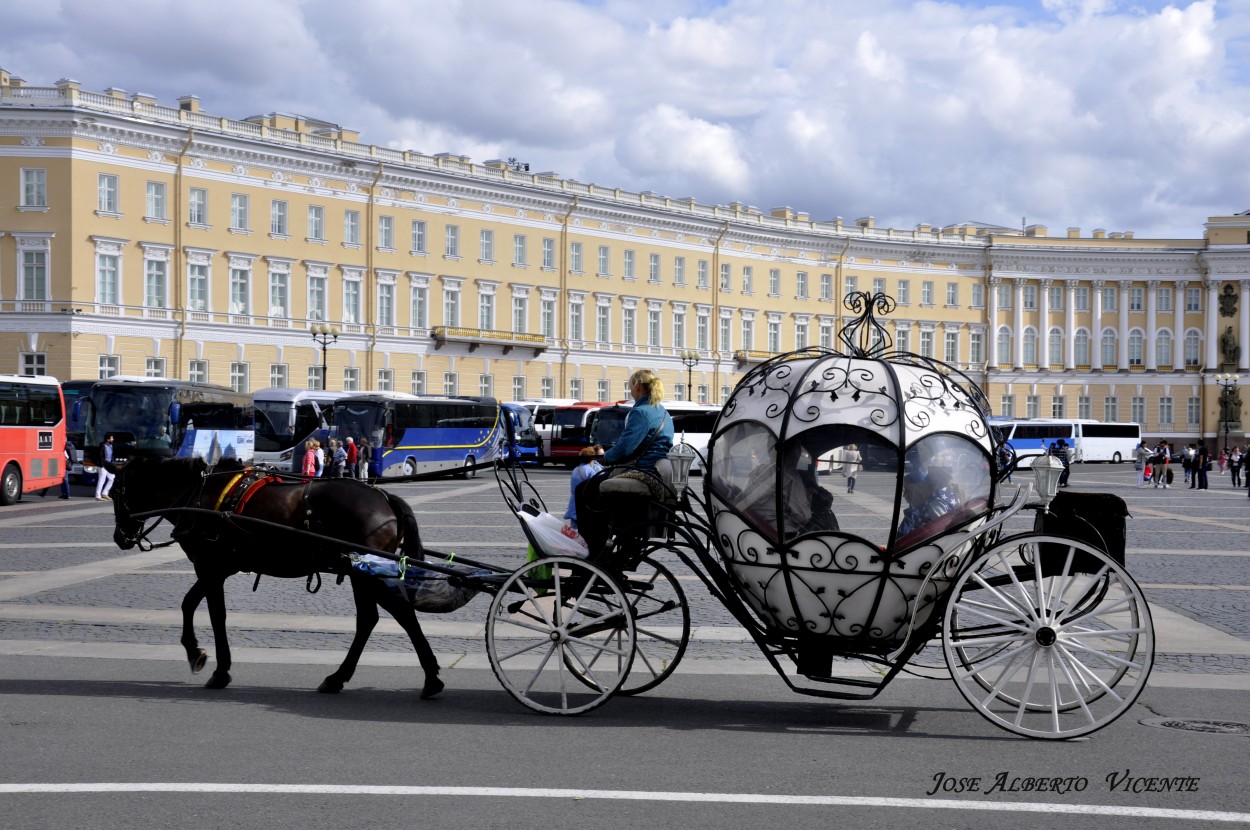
point(1235, 459)
point(362, 459)
point(1188, 463)
point(309, 468)
point(1202, 464)
point(339, 459)
point(104, 483)
point(1059, 450)
point(71, 455)
point(852, 463)
point(1223, 460)
point(353, 456)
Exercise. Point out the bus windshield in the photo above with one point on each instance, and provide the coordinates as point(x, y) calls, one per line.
point(138, 416)
point(361, 419)
point(280, 425)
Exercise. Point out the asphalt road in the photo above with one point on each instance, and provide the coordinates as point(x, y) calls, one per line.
point(101, 724)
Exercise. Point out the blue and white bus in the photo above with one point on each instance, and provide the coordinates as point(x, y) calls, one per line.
point(521, 440)
point(410, 434)
point(1090, 440)
point(286, 418)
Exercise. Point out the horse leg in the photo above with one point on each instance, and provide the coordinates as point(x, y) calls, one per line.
point(196, 656)
point(407, 619)
point(216, 594)
point(366, 620)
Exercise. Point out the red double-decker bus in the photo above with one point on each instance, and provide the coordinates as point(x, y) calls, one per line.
point(32, 435)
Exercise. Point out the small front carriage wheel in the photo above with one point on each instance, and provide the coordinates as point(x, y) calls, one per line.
point(1048, 637)
point(552, 614)
point(661, 625)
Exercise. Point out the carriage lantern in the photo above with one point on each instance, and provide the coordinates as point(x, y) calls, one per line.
point(681, 456)
point(1046, 472)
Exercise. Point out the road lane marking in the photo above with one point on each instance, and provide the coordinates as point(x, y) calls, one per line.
point(640, 795)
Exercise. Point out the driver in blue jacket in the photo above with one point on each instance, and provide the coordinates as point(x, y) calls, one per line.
point(648, 417)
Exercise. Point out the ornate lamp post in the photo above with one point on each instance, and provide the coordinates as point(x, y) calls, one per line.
point(1228, 397)
point(690, 359)
point(323, 335)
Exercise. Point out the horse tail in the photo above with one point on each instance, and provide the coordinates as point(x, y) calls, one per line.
point(409, 535)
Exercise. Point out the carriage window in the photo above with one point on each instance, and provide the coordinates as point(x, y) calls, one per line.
point(849, 480)
point(830, 478)
point(946, 483)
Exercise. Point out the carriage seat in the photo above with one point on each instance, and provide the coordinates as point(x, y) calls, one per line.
point(626, 486)
point(956, 518)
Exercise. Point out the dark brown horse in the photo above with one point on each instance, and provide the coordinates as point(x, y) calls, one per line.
point(241, 519)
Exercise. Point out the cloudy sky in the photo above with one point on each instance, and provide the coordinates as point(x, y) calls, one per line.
point(1127, 115)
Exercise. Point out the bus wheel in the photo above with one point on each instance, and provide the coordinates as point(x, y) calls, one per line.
point(468, 471)
point(1116, 459)
point(410, 467)
point(11, 485)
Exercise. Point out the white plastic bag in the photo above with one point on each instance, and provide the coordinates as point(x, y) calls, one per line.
point(554, 537)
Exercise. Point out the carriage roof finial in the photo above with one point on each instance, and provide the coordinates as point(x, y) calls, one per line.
point(866, 336)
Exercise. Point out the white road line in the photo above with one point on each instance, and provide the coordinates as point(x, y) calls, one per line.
point(639, 795)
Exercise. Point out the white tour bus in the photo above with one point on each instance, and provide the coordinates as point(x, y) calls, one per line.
point(1089, 440)
point(286, 418)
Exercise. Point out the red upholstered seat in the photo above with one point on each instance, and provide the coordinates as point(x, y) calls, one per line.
point(956, 518)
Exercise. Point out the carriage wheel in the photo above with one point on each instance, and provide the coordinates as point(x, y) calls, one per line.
point(1048, 637)
point(552, 614)
point(661, 622)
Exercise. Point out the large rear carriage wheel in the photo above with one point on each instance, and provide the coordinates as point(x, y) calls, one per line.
point(554, 614)
point(1048, 637)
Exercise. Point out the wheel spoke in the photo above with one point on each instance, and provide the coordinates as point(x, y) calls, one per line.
point(972, 608)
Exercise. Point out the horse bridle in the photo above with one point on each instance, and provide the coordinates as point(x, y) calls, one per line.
point(133, 531)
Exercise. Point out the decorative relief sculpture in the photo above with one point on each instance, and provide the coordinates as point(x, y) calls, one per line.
point(1228, 301)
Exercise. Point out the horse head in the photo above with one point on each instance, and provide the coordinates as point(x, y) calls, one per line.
point(145, 485)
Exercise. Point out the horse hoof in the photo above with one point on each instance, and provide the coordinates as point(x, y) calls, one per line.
point(219, 680)
point(330, 686)
point(198, 661)
point(432, 687)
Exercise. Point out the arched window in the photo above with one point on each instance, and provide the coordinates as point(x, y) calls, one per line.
point(1004, 347)
point(1110, 344)
point(1030, 347)
point(1136, 343)
point(1193, 348)
point(1163, 348)
point(1056, 347)
point(1080, 348)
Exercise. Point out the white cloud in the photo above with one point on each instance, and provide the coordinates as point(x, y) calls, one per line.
point(1125, 114)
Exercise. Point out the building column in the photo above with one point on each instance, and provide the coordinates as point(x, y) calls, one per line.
point(1095, 338)
point(1152, 327)
point(1243, 334)
point(1043, 316)
point(1123, 338)
point(1069, 325)
point(1178, 327)
point(1017, 357)
point(991, 313)
point(1212, 326)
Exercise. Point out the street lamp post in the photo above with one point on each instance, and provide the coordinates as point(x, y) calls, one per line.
point(1228, 390)
point(690, 359)
point(323, 335)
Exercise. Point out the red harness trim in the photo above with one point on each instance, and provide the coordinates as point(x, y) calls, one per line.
point(243, 488)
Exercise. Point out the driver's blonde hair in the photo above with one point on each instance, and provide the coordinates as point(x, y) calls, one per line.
point(650, 382)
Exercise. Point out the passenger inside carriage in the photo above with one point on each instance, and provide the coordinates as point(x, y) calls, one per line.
point(793, 486)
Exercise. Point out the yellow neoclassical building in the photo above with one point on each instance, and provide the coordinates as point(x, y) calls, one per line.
point(138, 238)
